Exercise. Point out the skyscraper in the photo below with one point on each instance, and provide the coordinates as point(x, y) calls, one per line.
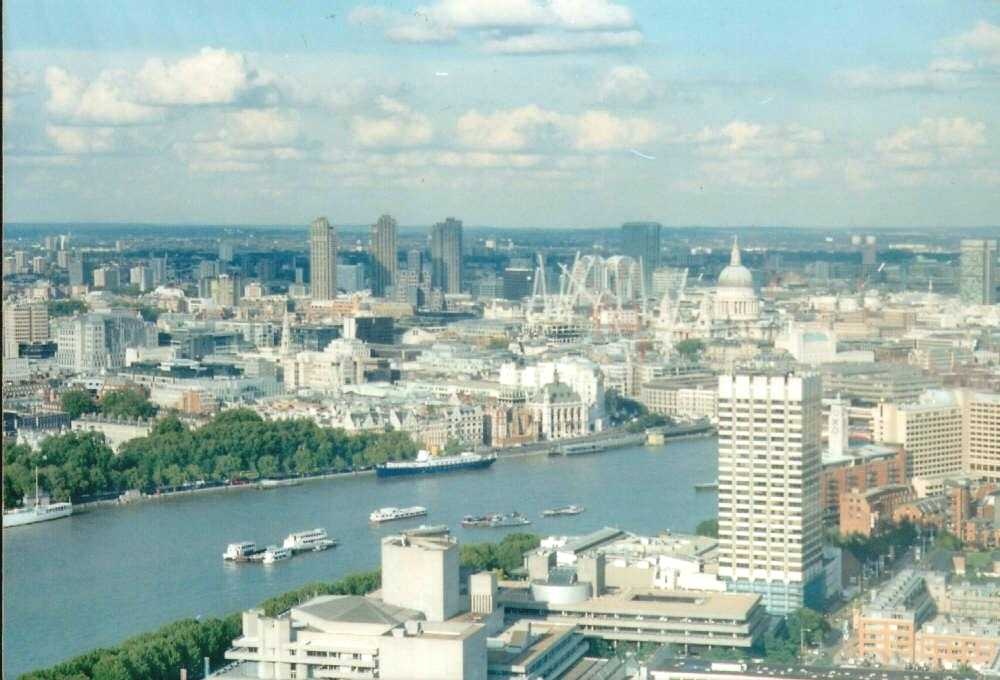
point(446, 255)
point(770, 532)
point(323, 259)
point(384, 255)
point(641, 241)
point(978, 276)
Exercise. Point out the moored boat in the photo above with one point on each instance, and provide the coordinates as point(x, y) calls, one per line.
point(391, 514)
point(427, 464)
point(495, 520)
point(40, 511)
point(243, 551)
point(275, 554)
point(564, 510)
point(277, 483)
point(707, 486)
point(581, 448)
point(314, 539)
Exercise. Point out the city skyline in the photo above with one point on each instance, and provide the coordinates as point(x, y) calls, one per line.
point(595, 113)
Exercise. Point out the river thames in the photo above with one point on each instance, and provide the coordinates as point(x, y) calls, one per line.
point(110, 573)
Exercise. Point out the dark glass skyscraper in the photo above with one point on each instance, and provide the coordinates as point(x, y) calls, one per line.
point(641, 241)
point(446, 255)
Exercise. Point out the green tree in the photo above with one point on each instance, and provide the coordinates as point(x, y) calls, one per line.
point(708, 527)
point(945, 540)
point(77, 402)
point(128, 402)
point(66, 307)
point(690, 348)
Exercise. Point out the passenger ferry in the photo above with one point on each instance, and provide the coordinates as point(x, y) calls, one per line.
point(314, 539)
point(243, 551)
point(277, 483)
point(275, 554)
point(495, 520)
point(427, 464)
point(41, 511)
point(391, 514)
point(564, 510)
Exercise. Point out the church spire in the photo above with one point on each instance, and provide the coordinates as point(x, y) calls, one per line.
point(734, 259)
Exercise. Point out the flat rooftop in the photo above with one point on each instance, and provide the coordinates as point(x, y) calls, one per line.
point(859, 454)
point(654, 602)
point(436, 542)
point(520, 649)
point(693, 667)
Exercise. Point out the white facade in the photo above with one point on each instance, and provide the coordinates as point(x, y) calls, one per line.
point(341, 363)
point(582, 376)
point(99, 340)
point(770, 531)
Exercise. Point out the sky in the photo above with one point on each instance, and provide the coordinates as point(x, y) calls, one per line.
point(511, 113)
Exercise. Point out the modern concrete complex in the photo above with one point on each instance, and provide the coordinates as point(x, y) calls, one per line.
point(322, 259)
point(770, 520)
point(24, 323)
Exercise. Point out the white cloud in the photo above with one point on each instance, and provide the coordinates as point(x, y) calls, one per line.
point(397, 126)
point(601, 131)
point(511, 26)
point(933, 141)
point(742, 138)
point(261, 127)
point(629, 85)
point(983, 38)
point(511, 129)
point(81, 140)
point(534, 127)
point(572, 15)
point(107, 100)
point(212, 76)
point(979, 50)
point(556, 43)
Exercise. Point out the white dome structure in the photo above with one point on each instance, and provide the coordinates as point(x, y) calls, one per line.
point(735, 298)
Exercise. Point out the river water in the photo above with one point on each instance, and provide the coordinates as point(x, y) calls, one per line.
point(107, 574)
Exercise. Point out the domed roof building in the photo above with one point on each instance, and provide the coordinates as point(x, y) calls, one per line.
point(735, 297)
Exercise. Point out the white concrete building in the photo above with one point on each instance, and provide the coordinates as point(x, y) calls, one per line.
point(98, 340)
point(341, 363)
point(770, 520)
point(584, 377)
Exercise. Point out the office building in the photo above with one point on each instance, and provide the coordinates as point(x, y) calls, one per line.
point(770, 531)
point(107, 278)
point(641, 242)
point(978, 271)
point(350, 277)
point(141, 277)
point(384, 256)
point(78, 271)
point(225, 251)
point(982, 419)
point(98, 340)
point(517, 282)
point(415, 261)
point(446, 256)
point(227, 290)
point(930, 430)
point(24, 323)
point(323, 259)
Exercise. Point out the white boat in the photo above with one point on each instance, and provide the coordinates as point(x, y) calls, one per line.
point(240, 552)
point(314, 539)
point(275, 554)
point(565, 510)
point(40, 511)
point(277, 483)
point(390, 514)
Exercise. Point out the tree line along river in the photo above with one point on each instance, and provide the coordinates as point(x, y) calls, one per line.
point(113, 572)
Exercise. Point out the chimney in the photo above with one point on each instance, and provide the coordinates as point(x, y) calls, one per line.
point(184, 674)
